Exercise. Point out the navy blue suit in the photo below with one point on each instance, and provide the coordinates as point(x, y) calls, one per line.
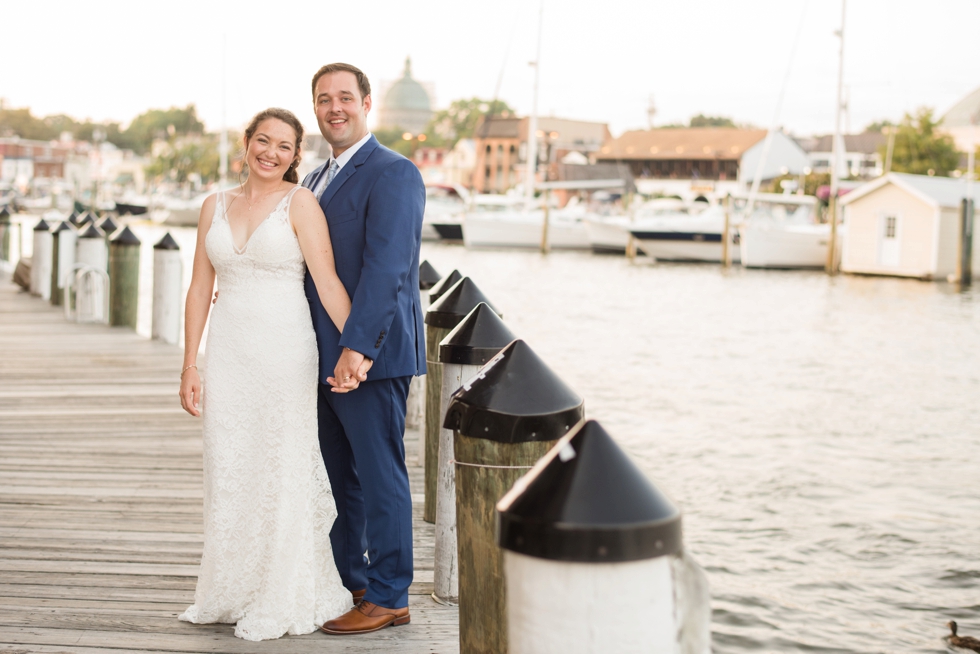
point(374, 210)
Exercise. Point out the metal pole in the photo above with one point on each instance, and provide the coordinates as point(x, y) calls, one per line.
point(545, 245)
point(532, 126)
point(835, 163)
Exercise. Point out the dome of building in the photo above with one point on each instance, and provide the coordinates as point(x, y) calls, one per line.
point(406, 104)
point(406, 93)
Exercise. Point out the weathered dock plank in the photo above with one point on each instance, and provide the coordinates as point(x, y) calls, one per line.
point(100, 501)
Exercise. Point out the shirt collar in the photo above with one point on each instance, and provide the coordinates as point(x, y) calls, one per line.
point(349, 153)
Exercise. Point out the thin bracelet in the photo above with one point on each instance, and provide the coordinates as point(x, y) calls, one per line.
point(194, 365)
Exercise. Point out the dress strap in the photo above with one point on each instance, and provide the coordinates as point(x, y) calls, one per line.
point(219, 205)
point(287, 200)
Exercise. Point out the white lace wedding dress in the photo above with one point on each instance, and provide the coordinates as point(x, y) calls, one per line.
point(268, 508)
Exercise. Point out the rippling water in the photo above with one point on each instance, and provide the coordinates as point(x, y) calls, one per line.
point(820, 434)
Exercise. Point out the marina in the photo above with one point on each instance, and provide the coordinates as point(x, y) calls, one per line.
point(818, 433)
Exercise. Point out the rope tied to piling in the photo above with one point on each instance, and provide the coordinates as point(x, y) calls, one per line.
point(483, 465)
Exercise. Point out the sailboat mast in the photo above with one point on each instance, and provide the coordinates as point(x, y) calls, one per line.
point(223, 144)
point(835, 152)
point(532, 125)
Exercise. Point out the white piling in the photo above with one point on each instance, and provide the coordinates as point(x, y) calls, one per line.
point(91, 250)
point(469, 346)
point(594, 559)
point(67, 244)
point(168, 281)
point(41, 261)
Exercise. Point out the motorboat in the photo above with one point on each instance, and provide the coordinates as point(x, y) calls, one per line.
point(689, 234)
point(782, 233)
point(608, 234)
point(505, 221)
point(445, 207)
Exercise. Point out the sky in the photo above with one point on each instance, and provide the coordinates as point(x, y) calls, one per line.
point(601, 61)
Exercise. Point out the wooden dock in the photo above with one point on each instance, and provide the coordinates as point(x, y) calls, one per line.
point(100, 501)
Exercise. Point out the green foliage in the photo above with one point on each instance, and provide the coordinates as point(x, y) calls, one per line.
point(138, 136)
point(20, 122)
point(186, 157)
point(161, 123)
point(459, 121)
point(879, 125)
point(711, 121)
point(920, 148)
point(811, 183)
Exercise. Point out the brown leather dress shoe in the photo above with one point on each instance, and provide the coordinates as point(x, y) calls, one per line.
point(357, 596)
point(365, 618)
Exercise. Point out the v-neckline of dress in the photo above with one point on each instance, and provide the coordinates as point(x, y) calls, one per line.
point(248, 240)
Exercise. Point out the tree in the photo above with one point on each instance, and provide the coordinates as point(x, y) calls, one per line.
point(459, 121)
point(160, 123)
point(20, 122)
point(920, 148)
point(186, 157)
point(879, 125)
point(711, 121)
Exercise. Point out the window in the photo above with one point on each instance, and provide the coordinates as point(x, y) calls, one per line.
point(890, 224)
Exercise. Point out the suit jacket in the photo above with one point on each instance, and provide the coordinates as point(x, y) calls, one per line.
point(374, 210)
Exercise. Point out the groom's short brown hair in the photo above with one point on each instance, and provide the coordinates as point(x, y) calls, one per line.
point(364, 86)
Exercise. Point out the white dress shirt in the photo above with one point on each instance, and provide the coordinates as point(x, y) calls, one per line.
point(344, 157)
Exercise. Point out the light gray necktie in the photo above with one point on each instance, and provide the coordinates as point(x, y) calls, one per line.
point(331, 173)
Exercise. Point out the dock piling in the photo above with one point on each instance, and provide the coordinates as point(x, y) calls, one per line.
point(124, 274)
point(168, 286)
point(468, 347)
point(41, 261)
point(593, 557)
point(503, 420)
point(5, 227)
point(441, 317)
point(62, 259)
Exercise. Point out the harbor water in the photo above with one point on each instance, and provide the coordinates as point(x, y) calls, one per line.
point(821, 435)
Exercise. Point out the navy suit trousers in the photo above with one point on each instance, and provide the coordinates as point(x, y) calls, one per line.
point(362, 442)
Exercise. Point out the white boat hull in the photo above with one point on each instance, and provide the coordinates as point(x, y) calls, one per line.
point(608, 236)
point(493, 229)
point(784, 246)
point(685, 246)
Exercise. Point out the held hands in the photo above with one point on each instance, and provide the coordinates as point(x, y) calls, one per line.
point(350, 371)
point(190, 391)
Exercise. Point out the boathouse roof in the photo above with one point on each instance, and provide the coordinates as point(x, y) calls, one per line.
point(944, 192)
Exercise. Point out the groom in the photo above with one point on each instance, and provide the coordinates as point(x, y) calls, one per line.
point(373, 199)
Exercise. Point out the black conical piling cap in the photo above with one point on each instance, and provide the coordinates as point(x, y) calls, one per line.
point(125, 236)
point(91, 232)
point(42, 226)
point(587, 501)
point(428, 276)
point(87, 217)
point(75, 218)
point(62, 226)
point(452, 307)
point(515, 398)
point(167, 243)
point(443, 285)
point(4, 214)
point(108, 225)
point(477, 339)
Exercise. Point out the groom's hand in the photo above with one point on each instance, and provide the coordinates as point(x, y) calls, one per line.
point(350, 371)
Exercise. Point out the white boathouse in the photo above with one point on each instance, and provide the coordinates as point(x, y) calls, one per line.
point(907, 226)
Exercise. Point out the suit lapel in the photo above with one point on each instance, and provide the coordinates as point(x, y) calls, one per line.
point(347, 171)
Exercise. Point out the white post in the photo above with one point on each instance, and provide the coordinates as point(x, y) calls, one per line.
point(91, 250)
point(67, 242)
point(446, 566)
point(476, 340)
point(415, 416)
point(41, 261)
point(168, 280)
point(570, 608)
point(594, 557)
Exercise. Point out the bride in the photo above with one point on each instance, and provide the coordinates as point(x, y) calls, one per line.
point(267, 563)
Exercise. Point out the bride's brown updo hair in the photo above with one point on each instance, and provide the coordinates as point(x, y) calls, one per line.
point(290, 119)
